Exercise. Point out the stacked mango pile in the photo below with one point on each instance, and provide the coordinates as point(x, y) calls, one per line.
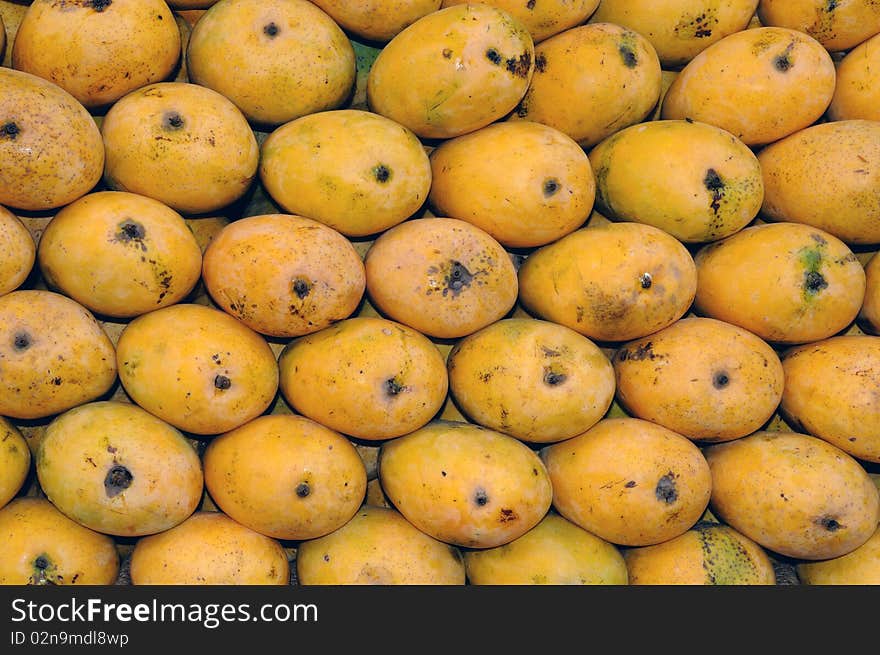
point(436, 292)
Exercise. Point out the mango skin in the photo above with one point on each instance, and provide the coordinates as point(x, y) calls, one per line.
point(710, 553)
point(525, 183)
point(535, 380)
point(196, 367)
point(368, 377)
point(355, 171)
point(629, 481)
point(378, 546)
point(839, 26)
point(857, 567)
point(591, 81)
point(869, 313)
point(377, 20)
point(18, 252)
point(829, 392)
point(276, 60)
point(117, 469)
point(464, 484)
point(209, 548)
point(554, 552)
point(54, 353)
point(39, 545)
point(120, 254)
point(181, 143)
point(694, 180)
point(707, 379)
point(442, 276)
point(98, 55)
point(855, 94)
point(786, 282)
point(826, 175)
point(611, 282)
point(285, 476)
point(794, 494)
point(678, 29)
point(759, 84)
point(472, 63)
point(283, 275)
point(543, 19)
point(52, 151)
point(15, 460)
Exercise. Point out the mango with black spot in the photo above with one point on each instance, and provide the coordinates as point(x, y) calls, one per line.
point(794, 494)
point(694, 180)
point(453, 71)
point(610, 281)
point(710, 553)
point(525, 183)
point(209, 548)
point(839, 26)
point(786, 282)
point(196, 367)
point(120, 254)
point(54, 354)
point(42, 546)
point(283, 275)
point(826, 175)
point(707, 379)
point(465, 484)
point(591, 81)
point(368, 377)
point(536, 380)
point(543, 19)
point(276, 60)
point(115, 468)
point(356, 171)
point(629, 481)
point(378, 546)
point(443, 276)
point(759, 84)
point(554, 552)
point(50, 146)
point(678, 29)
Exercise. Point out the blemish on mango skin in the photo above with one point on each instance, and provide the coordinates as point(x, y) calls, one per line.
point(725, 559)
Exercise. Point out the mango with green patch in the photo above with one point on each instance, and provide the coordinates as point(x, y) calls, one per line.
point(710, 553)
point(786, 282)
